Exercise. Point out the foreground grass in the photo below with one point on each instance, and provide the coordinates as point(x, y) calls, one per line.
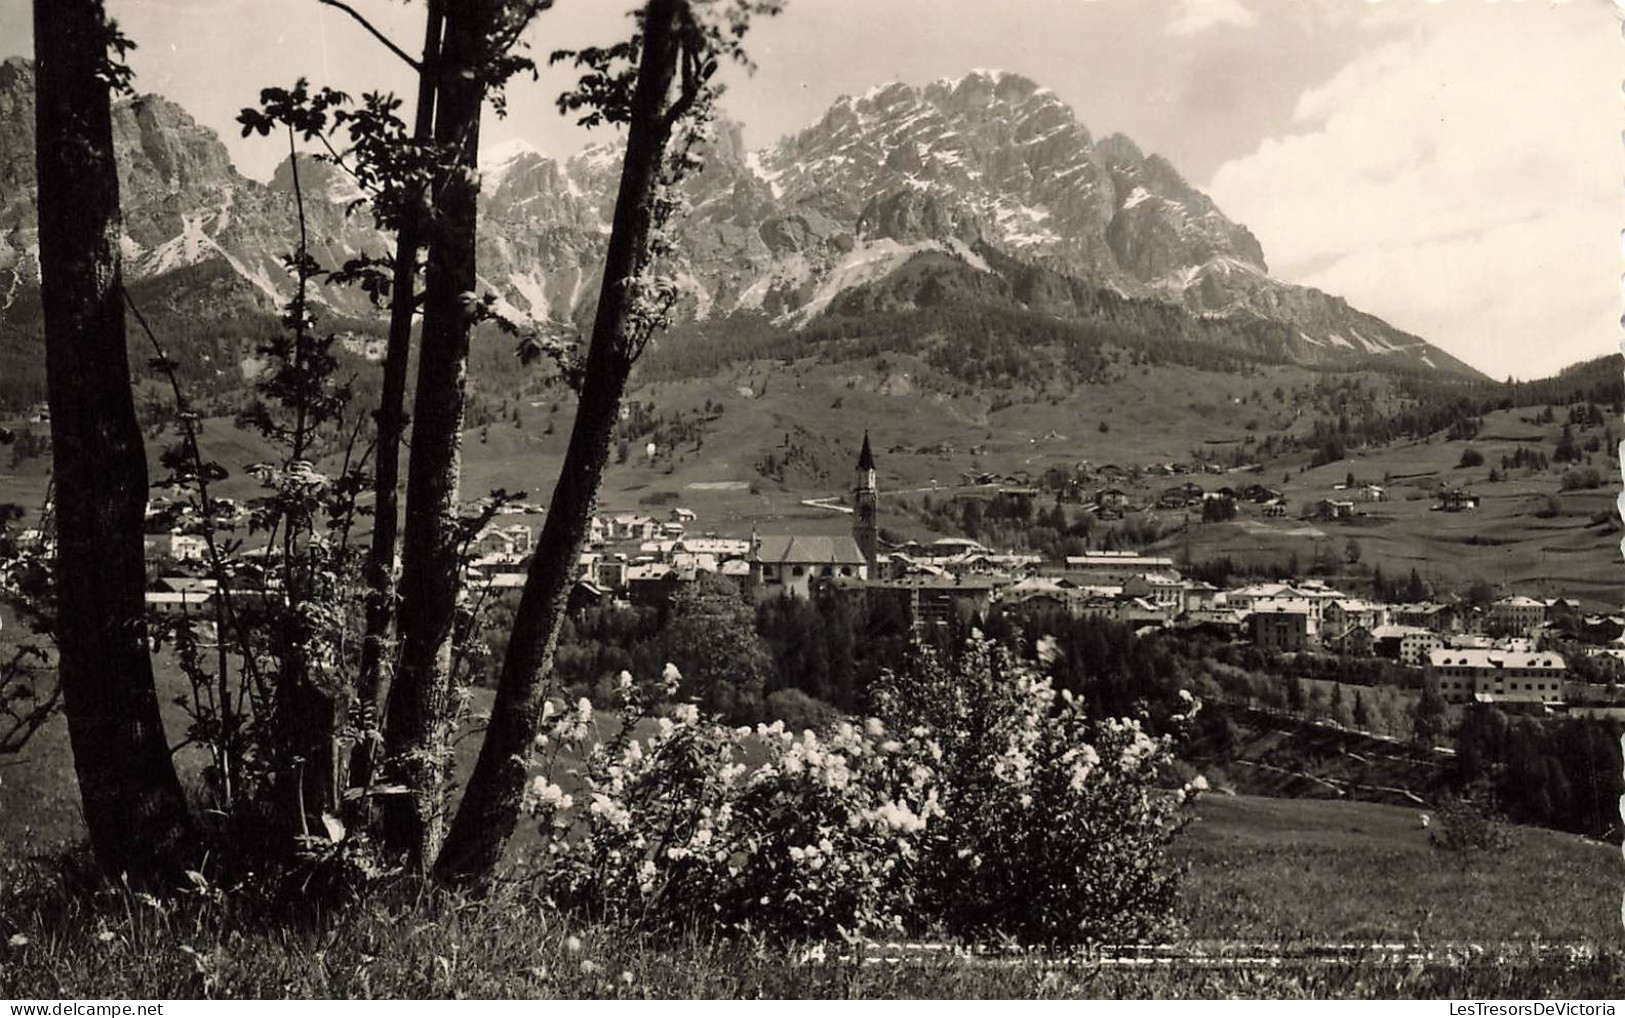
point(1284, 874)
point(1286, 870)
point(118, 945)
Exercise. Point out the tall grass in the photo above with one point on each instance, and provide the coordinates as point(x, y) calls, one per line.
point(62, 938)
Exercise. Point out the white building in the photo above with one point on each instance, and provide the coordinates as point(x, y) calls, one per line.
point(789, 563)
point(1466, 675)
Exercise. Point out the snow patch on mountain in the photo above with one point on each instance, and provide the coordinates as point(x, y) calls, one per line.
point(533, 289)
point(870, 261)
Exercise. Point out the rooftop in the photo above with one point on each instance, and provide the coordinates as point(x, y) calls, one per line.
point(815, 550)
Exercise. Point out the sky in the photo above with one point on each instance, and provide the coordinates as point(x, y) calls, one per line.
point(1453, 167)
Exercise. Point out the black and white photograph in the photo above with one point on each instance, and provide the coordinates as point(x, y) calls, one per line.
point(588, 500)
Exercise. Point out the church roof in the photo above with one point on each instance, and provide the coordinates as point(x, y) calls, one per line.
point(809, 550)
point(866, 459)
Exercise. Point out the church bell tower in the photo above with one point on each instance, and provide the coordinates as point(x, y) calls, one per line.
point(865, 504)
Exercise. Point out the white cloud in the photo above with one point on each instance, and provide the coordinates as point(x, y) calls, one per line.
point(1192, 17)
point(1463, 183)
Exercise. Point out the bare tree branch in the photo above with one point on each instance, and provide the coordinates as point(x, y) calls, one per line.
point(373, 31)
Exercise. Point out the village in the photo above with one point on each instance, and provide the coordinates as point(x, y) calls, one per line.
point(1505, 651)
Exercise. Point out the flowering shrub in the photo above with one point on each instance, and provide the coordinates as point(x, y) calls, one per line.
point(816, 838)
point(979, 803)
point(1054, 822)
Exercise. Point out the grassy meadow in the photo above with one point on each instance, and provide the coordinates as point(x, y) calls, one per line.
point(1288, 874)
point(1265, 876)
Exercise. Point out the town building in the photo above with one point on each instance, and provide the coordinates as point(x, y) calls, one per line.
point(1488, 675)
point(1166, 590)
point(790, 564)
point(1333, 509)
point(1409, 645)
point(1517, 614)
point(1341, 615)
point(1114, 568)
point(1281, 627)
point(1456, 500)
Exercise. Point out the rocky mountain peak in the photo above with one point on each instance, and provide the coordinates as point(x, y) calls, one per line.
point(988, 171)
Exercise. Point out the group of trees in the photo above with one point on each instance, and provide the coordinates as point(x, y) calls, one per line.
point(1555, 774)
point(297, 744)
point(786, 657)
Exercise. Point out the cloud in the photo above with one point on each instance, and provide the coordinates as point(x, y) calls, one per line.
point(1192, 17)
point(1461, 182)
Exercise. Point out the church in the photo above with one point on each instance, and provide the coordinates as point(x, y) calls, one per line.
point(791, 564)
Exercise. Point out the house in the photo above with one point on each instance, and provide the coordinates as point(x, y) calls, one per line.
point(1245, 598)
point(1140, 610)
point(1281, 627)
point(1225, 623)
point(511, 542)
point(930, 602)
point(787, 564)
point(651, 583)
point(503, 586)
point(1517, 614)
point(632, 527)
point(610, 573)
point(1166, 590)
point(1276, 508)
point(680, 515)
point(1373, 493)
point(1489, 676)
point(1344, 614)
point(586, 594)
point(1416, 644)
point(948, 547)
point(1455, 500)
point(177, 547)
point(1112, 499)
point(1200, 596)
point(1430, 615)
point(1333, 509)
point(1355, 641)
point(1037, 602)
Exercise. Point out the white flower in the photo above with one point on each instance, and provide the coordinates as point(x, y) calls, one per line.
point(18, 940)
point(549, 794)
point(572, 943)
point(624, 680)
point(1199, 783)
point(670, 678)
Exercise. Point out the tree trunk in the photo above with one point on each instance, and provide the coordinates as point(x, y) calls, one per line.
point(380, 569)
point(415, 737)
point(137, 816)
point(490, 806)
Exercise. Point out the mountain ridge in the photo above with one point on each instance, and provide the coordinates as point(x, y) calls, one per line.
point(989, 170)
